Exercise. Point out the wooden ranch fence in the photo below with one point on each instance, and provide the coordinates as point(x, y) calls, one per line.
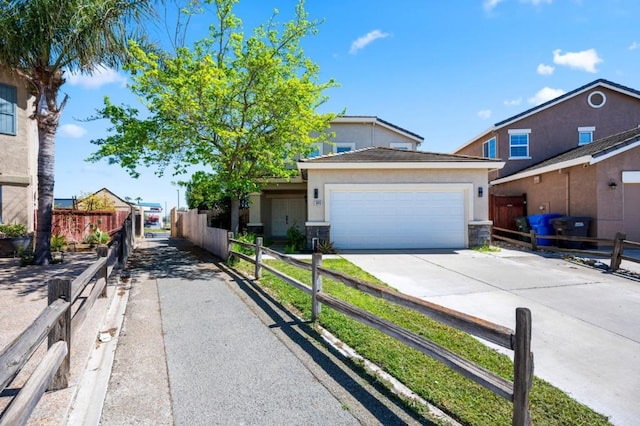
point(57, 324)
point(518, 341)
point(530, 240)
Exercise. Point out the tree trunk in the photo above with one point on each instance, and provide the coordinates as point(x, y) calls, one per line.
point(235, 215)
point(46, 163)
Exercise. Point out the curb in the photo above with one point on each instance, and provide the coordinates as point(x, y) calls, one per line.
point(86, 408)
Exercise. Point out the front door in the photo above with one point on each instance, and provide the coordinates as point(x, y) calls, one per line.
point(286, 212)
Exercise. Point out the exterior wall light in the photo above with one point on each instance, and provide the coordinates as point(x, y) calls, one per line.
point(480, 192)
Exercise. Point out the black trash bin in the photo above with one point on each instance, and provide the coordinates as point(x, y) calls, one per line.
point(571, 226)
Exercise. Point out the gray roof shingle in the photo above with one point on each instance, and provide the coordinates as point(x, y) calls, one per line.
point(385, 155)
point(594, 149)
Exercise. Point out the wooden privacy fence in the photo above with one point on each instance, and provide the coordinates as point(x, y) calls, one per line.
point(519, 341)
point(530, 240)
point(57, 324)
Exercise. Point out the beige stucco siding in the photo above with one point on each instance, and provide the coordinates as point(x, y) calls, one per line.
point(364, 135)
point(18, 162)
point(472, 179)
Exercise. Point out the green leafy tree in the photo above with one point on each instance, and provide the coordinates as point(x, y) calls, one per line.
point(41, 40)
point(242, 106)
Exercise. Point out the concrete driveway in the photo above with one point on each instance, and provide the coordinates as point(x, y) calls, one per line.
point(586, 323)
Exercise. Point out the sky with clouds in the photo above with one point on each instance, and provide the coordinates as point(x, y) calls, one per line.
point(445, 70)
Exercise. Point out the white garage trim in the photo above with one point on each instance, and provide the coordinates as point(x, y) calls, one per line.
point(411, 229)
point(630, 177)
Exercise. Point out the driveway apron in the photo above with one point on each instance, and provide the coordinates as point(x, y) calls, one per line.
point(585, 334)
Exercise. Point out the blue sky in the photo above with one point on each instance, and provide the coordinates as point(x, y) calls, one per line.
point(443, 69)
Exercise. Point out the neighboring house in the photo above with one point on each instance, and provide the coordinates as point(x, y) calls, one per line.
point(593, 111)
point(19, 153)
point(371, 189)
point(118, 203)
point(600, 180)
point(547, 132)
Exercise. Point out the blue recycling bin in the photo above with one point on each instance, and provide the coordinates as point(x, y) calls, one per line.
point(541, 224)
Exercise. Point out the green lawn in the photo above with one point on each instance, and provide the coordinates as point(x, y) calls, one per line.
point(464, 400)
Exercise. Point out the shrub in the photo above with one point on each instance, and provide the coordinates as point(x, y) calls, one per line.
point(16, 230)
point(296, 239)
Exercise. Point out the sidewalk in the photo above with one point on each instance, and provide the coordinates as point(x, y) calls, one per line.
point(203, 346)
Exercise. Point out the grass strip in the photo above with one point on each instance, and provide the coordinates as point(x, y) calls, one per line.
point(464, 400)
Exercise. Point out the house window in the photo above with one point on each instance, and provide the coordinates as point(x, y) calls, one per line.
point(343, 147)
point(8, 100)
point(489, 148)
point(405, 146)
point(519, 143)
point(317, 151)
point(585, 135)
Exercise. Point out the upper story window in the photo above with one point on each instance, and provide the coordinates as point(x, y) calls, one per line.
point(317, 151)
point(585, 135)
point(519, 144)
point(405, 146)
point(343, 147)
point(489, 148)
point(8, 100)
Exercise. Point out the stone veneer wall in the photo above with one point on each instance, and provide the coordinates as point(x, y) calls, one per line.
point(479, 234)
point(321, 232)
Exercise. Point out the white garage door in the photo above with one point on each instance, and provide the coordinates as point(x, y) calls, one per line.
point(397, 219)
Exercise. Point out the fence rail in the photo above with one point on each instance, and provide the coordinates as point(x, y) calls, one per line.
point(57, 324)
point(530, 240)
point(519, 340)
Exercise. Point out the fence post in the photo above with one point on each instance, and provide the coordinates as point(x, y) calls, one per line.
point(316, 285)
point(534, 240)
point(230, 236)
point(103, 251)
point(61, 289)
point(258, 271)
point(522, 368)
point(616, 253)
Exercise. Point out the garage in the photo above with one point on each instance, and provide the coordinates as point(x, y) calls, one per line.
point(397, 218)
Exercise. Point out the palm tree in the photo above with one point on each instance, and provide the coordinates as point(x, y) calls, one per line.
point(41, 40)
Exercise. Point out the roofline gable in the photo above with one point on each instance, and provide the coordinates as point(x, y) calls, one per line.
point(376, 120)
point(553, 102)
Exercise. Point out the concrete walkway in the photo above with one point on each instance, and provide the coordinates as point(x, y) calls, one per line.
point(586, 334)
point(202, 346)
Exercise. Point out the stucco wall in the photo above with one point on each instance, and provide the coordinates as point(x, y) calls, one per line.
point(555, 129)
point(610, 201)
point(364, 135)
point(319, 178)
point(18, 162)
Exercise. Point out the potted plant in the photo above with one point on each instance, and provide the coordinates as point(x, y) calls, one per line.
point(16, 234)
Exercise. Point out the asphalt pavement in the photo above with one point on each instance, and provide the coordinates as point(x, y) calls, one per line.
point(201, 345)
point(585, 334)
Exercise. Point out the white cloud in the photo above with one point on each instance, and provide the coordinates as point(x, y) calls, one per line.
point(513, 102)
point(489, 5)
point(585, 60)
point(634, 45)
point(545, 94)
point(72, 131)
point(102, 75)
point(538, 2)
point(545, 69)
point(363, 41)
point(484, 114)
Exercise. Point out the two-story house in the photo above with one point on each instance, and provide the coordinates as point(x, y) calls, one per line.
point(371, 188)
point(18, 153)
point(576, 155)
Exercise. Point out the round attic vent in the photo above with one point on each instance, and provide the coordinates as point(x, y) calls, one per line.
point(596, 99)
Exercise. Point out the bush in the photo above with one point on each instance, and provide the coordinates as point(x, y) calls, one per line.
point(297, 240)
point(13, 231)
